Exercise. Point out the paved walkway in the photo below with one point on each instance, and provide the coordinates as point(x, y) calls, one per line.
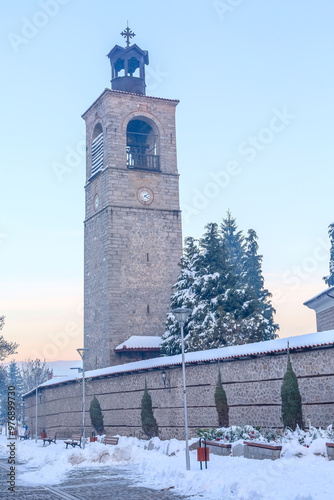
point(84, 484)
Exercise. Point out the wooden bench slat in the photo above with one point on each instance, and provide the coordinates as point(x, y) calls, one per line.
point(50, 439)
point(75, 441)
point(220, 445)
point(111, 440)
point(263, 445)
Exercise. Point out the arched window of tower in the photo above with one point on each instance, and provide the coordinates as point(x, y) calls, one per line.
point(97, 149)
point(133, 67)
point(142, 145)
point(119, 68)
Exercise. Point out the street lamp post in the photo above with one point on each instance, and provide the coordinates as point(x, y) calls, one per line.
point(82, 352)
point(181, 314)
point(37, 379)
point(36, 411)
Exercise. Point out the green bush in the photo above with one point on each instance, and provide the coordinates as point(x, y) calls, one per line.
point(96, 416)
point(148, 422)
point(221, 403)
point(291, 400)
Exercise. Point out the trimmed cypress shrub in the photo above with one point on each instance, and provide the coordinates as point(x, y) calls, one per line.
point(96, 416)
point(291, 400)
point(148, 422)
point(221, 403)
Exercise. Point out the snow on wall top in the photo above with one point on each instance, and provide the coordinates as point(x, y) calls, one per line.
point(258, 348)
point(140, 342)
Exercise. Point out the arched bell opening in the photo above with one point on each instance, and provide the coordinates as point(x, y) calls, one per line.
point(119, 68)
point(134, 67)
point(142, 141)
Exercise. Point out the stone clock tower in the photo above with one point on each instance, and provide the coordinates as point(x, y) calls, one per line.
point(133, 240)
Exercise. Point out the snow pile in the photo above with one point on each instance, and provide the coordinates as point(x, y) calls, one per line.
point(161, 465)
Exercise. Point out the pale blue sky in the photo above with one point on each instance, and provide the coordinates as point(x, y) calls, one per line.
point(235, 66)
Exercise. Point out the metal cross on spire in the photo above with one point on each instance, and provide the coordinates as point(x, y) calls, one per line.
point(128, 34)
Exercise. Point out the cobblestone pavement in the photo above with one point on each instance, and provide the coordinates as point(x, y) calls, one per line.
point(84, 484)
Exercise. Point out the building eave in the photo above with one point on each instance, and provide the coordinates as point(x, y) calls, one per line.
point(107, 90)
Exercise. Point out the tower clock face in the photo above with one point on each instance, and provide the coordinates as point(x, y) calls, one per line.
point(145, 195)
point(96, 201)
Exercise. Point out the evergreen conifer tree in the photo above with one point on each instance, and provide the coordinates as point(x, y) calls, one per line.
point(227, 309)
point(212, 291)
point(184, 296)
point(148, 422)
point(329, 280)
point(234, 242)
point(221, 403)
point(96, 416)
point(262, 307)
point(291, 400)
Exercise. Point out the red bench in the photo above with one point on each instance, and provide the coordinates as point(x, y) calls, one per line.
point(218, 448)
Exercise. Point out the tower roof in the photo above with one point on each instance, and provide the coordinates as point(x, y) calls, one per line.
point(119, 51)
point(128, 66)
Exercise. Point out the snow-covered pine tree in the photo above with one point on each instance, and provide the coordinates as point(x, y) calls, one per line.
point(226, 309)
point(329, 280)
point(253, 279)
point(234, 242)
point(184, 296)
point(212, 290)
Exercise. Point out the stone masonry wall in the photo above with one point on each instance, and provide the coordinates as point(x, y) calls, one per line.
point(252, 387)
point(325, 320)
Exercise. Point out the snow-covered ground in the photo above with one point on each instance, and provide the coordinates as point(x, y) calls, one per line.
point(301, 474)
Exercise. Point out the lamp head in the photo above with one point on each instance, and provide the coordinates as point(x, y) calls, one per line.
point(181, 314)
point(82, 351)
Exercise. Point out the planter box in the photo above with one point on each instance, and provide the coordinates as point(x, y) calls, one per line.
point(261, 451)
point(219, 448)
point(330, 450)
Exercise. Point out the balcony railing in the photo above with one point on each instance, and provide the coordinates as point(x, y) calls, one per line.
point(143, 161)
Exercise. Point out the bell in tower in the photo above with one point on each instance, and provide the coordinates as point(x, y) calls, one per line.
point(128, 66)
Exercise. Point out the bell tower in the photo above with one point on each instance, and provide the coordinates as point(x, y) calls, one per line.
point(133, 240)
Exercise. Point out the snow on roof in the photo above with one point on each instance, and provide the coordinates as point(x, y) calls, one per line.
point(140, 342)
point(317, 339)
point(328, 292)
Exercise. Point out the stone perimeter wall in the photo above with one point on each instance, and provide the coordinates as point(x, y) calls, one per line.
point(252, 386)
